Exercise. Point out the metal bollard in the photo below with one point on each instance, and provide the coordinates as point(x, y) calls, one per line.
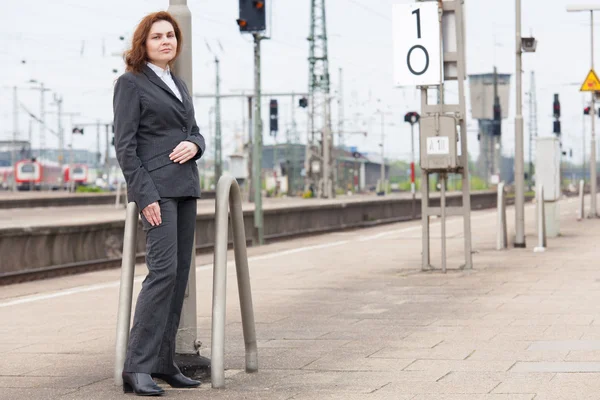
point(502, 234)
point(126, 289)
point(227, 188)
point(541, 221)
point(581, 201)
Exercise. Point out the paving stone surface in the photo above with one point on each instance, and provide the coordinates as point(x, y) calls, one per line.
point(348, 315)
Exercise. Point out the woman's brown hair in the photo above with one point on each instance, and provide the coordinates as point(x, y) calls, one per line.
point(136, 57)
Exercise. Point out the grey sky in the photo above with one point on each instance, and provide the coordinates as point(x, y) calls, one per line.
point(51, 35)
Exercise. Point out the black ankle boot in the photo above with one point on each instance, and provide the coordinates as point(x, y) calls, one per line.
point(140, 384)
point(177, 380)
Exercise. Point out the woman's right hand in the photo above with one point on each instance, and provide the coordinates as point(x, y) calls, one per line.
point(152, 214)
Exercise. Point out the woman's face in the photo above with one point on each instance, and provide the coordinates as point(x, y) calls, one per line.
point(161, 43)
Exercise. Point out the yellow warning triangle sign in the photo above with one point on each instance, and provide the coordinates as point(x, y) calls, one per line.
point(591, 83)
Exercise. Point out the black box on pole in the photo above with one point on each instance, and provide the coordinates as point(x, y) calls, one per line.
point(252, 16)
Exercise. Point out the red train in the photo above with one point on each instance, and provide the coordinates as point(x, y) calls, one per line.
point(79, 175)
point(34, 175)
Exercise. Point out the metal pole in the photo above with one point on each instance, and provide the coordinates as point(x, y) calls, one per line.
point(30, 138)
point(532, 125)
point(593, 179)
point(530, 135)
point(496, 140)
point(218, 148)
point(541, 221)
point(341, 109)
point(356, 182)
point(71, 183)
point(61, 137)
point(443, 222)
point(98, 145)
point(126, 289)
point(290, 155)
point(326, 150)
point(583, 143)
point(581, 211)
point(294, 138)
point(412, 170)
point(382, 188)
point(425, 255)
point(186, 343)
point(466, 182)
point(501, 234)
point(250, 183)
point(106, 152)
point(43, 124)
point(309, 142)
point(209, 139)
point(275, 161)
point(13, 154)
point(257, 147)
point(519, 161)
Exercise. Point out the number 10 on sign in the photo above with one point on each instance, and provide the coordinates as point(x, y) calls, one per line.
point(416, 29)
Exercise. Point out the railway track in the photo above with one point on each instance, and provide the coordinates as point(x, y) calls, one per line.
point(96, 265)
point(53, 271)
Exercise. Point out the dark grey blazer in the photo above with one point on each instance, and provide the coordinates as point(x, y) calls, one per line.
point(150, 122)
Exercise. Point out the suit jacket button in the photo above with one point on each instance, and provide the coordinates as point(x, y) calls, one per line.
point(184, 129)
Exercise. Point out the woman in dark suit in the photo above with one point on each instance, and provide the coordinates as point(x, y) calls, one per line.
point(157, 142)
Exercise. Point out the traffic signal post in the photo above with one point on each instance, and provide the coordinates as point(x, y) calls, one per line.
point(412, 118)
point(257, 147)
point(273, 129)
point(497, 131)
point(253, 20)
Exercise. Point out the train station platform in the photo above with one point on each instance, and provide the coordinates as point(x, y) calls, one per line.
point(348, 315)
point(78, 215)
point(85, 238)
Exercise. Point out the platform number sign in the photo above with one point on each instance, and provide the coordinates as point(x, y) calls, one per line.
point(417, 58)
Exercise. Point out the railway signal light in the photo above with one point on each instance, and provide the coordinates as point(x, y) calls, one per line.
point(273, 115)
point(556, 113)
point(412, 117)
point(252, 16)
point(497, 124)
point(556, 107)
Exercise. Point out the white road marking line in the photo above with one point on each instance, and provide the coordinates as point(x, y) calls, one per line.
point(115, 284)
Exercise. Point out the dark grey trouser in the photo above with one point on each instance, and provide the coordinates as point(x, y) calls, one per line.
point(168, 255)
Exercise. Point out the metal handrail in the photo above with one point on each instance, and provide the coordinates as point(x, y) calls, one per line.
point(126, 289)
point(228, 189)
point(502, 233)
point(541, 221)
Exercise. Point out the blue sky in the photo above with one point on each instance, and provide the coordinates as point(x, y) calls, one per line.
point(71, 46)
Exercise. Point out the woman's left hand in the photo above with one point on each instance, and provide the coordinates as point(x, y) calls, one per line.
point(184, 152)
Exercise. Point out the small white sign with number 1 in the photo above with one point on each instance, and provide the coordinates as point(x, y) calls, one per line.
point(417, 47)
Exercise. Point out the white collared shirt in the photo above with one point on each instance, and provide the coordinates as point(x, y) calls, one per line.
point(165, 76)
